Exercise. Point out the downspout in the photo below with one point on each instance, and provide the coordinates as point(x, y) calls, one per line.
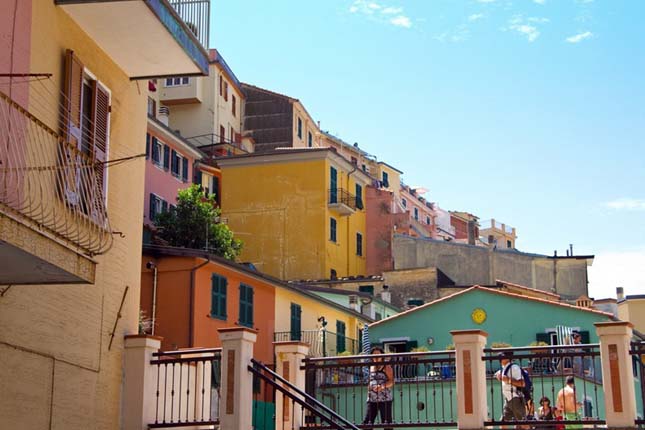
point(191, 323)
point(348, 246)
point(154, 299)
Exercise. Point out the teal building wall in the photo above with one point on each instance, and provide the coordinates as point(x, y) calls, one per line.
point(509, 318)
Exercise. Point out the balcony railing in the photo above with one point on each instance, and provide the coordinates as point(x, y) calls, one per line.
point(345, 202)
point(196, 15)
point(217, 146)
point(322, 343)
point(48, 184)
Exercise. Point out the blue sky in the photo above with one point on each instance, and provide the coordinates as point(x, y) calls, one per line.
point(528, 111)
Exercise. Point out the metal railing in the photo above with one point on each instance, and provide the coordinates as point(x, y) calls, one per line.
point(196, 15)
point(342, 196)
point(187, 388)
point(322, 343)
point(423, 395)
point(638, 359)
point(49, 184)
point(548, 368)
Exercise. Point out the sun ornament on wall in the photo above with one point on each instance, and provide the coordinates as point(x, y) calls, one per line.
point(478, 316)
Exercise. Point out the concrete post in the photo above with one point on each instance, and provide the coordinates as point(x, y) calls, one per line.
point(236, 408)
point(471, 378)
point(617, 378)
point(289, 356)
point(139, 386)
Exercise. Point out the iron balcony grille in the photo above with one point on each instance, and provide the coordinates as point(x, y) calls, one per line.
point(196, 15)
point(48, 184)
point(342, 196)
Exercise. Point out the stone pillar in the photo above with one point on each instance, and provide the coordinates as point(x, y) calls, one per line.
point(617, 376)
point(236, 405)
point(140, 379)
point(471, 378)
point(289, 356)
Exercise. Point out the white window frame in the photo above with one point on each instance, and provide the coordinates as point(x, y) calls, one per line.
point(158, 163)
point(177, 81)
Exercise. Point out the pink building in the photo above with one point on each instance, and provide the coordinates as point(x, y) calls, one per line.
point(422, 214)
point(170, 160)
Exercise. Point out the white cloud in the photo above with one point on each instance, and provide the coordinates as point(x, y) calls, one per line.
point(539, 20)
point(527, 27)
point(579, 37)
point(475, 17)
point(531, 32)
point(401, 21)
point(539, 1)
point(625, 268)
point(627, 204)
point(381, 12)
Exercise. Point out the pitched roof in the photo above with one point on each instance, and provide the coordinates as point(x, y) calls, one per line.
point(158, 250)
point(493, 291)
point(503, 283)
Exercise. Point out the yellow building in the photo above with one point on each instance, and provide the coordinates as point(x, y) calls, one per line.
point(632, 308)
point(299, 212)
point(498, 234)
point(71, 201)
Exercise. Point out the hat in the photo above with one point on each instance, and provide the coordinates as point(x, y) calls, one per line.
point(505, 355)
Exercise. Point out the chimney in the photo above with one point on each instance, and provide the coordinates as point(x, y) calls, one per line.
point(163, 115)
point(386, 296)
point(353, 303)
point(620, 293)
point(571, 249)
point(471, 232)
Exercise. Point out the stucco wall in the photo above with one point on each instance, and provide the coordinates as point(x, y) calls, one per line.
point(508, 319)
point(57, 371)
point(413, 283)
point(470, 265)
point(633, 310)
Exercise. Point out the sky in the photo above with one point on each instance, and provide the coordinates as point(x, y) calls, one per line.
point(531, 112)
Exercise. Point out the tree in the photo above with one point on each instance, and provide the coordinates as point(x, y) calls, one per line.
point(195, 223)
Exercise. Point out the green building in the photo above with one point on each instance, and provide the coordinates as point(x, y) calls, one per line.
point(509, 318)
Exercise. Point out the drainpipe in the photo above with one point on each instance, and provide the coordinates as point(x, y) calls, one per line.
point(348, 236)
point(153, 266)
point(191, 324)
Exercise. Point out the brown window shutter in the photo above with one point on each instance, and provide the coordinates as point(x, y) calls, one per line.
point(220, 85)
point(100, 132)
point(238, 137)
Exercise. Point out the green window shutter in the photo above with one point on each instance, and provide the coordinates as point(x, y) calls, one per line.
point(184, 169)
point(333, 185)
point(147, 145)
point(296, 312)
point(332, 229)
point(218, 299)
point(151, 213)
point(340, 337)
point(246, 305)
point(359, 244)
point(164, 206)
point(543, 337)
point(359, 197)
point(166, 157)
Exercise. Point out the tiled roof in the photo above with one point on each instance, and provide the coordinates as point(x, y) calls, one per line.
point(522, 287)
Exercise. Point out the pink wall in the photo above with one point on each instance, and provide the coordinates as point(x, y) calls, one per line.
point(162, 182)
point(380, 229)
point(15, 47)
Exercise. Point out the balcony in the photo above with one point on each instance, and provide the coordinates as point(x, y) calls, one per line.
point(322, 343)
point(343, 202)
point(147, 38)
point(216, 146)
point(52, 210)
point(496, 225)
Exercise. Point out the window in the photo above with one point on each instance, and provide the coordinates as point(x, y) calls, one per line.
point(366, 289)
point(221, 85)
point(359, 244)
point(340, 337)
point(166, 157)
point(491, 239)
point(333, 185)
point(416, 214)
point(152, 107)
point(354, 161)
point(296, 311)
point(179, 165)
point(218, 296)
point(299, 128)
point(386, 180)
point(404, 202)
point(364, 168)
point(233, 104)
point(332, 229)
point(156, 149)
point(427, 220)
point(147, 145)
point(246, 306)
point(225, 91)
point(86, 124)
point(509, 244)
point(310, 139)
point(333, 274)
point(232, 134)
point(177, 81)
point(222, 134)
point(359, 197)
point(157, 206)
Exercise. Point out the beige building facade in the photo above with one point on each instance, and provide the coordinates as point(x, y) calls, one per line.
point(71, 251)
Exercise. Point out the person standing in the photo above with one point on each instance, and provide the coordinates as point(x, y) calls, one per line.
point(568, 403)
point(379, 390)
point(510, 375)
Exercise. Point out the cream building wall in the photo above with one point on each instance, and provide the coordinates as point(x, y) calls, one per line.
point(308, 126)
point(56, 370)
point(632, 309)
